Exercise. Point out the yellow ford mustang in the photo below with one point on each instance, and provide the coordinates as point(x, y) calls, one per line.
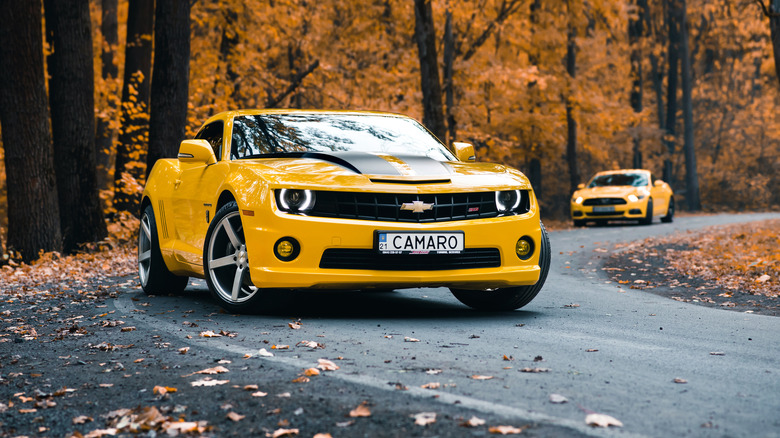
point(263, 201)
point(628, 194)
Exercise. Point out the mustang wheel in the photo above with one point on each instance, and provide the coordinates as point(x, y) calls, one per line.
point(509, 298)
point(669, 212)
point(226, 263)
point(155, 276)
point(648, 214)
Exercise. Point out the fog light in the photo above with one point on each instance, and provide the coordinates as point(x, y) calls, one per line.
point(524, 248)
point(286, 249)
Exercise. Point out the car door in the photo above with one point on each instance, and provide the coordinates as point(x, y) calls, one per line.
point(659, 195)
point(195, 194)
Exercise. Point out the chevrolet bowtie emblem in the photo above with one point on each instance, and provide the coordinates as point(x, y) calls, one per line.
point(416, 206)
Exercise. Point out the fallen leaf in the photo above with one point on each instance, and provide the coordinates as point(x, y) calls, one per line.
point(408, 339)
point(106, 385)
point(505, 430)
point(592, 350)
point(310, 344)
point(284, 432)
point(432, 385)
point(570, 305)
point(322, 435)
point(138, 360)
point(361, 411)
point(478, 377)
point(717, 353)
point(209, 334)
point(250, 387)
point(81, 419)
point(259, 394)
point(265, 353)
point(763, 279)
point(175, 428)
point(234, 416)
point(508, 357)
point(163, 390)
point(280, 347)
point(301, 379)
point(208, 381)
point(224, 361)
point(473, 422)
point(558, 399)
point(294, 325)
point(424, 418)
point(679, 380)
point(216, 370)
point(433, 372)
point(326, 365)
point(602, 420)
point(127, 329)
point(184, 350)
point(311, 372)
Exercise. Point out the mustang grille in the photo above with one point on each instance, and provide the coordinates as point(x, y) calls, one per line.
point(470, 258)
point(387, 206)
point(604, 201)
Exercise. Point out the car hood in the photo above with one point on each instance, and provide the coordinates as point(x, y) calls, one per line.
point(608, 192)
point(377, 172)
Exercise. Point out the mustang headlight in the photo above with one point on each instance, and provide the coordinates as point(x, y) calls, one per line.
point(508, 200)
point(578, 200)
point(295, 201)
point(632, 197)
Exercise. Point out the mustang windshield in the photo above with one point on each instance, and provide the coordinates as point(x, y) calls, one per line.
point(619, 179)
point(257, 136)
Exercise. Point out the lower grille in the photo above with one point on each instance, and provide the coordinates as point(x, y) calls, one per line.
point(604, 201)
point(470, 258)
point(605, 213)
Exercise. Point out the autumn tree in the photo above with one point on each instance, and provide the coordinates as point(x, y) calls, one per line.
point(130, 162)
point(425, 35)
point(33, 209)
point(571, 123)
point(168, 107)
point(108, 98)
point(72, 104)
point(691, 174)
point(771, 8)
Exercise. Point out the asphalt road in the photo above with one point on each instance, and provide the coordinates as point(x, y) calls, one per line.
point(606, 348)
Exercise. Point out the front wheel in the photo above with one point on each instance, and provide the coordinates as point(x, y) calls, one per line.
point(648, 214)
point(669, 212)
point(509, 298)
point(154, 275)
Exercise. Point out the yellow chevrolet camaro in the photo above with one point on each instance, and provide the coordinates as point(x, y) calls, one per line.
point(266, 201)
point(628, 194)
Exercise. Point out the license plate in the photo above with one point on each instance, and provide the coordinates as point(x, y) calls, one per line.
point(608, 209)
point(400, 242)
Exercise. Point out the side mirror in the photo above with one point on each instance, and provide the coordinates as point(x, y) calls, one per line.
point(658, 183)
point(464, 151)
point(196, 151)
point(580, 186)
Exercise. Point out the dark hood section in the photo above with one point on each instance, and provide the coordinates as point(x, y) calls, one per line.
point(369, 164)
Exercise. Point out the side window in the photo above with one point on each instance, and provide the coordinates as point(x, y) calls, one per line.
point(213, 134)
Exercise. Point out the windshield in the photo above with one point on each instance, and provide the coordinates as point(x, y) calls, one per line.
point(619, 179)
point(258, 136)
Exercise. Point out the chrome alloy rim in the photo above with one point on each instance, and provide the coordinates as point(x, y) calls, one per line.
point(228, 262)
point(144, 249)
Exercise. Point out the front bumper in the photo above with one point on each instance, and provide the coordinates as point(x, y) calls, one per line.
point(629, 211)
point(316, 234)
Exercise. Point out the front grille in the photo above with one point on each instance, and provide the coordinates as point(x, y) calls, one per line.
point(387, 206)
point(604, 201)
point(470, 258)
point(605, 213)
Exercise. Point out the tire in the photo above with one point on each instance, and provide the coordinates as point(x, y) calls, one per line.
point(579, 222)
point(226, 263)
point(648, 214)
point(669, 212)
point(155, 277)
point(510, 298)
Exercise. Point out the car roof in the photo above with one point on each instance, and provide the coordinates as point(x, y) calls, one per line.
point(610, 172)
point(260, 111)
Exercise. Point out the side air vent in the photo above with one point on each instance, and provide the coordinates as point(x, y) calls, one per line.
point(162, 227)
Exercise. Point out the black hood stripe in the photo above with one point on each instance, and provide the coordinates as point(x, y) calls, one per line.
point(369, 164)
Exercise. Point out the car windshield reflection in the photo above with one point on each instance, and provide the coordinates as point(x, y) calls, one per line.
point(619, 179)
point(261, 136)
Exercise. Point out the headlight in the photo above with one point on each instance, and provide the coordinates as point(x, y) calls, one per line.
point(508, 200)
point(578, 200)
point(295, 201)
point(632, 197)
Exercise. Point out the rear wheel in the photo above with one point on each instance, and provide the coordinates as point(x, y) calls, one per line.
point(648, 214)
point(669, 212)
point(510, 298)
point(154, 275)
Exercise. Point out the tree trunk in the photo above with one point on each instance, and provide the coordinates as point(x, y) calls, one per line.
point(134, 119)
point(774, 29)
point(691, 174)
point(449, 85)
point(571, 124)
point(104, 135)
point(33, 209)
point(170, 80)
point(72, 103)
point(635, 34)
point(425, 33)
point(673, 26)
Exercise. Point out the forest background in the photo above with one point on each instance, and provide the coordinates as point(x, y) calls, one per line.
point(559, 89)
